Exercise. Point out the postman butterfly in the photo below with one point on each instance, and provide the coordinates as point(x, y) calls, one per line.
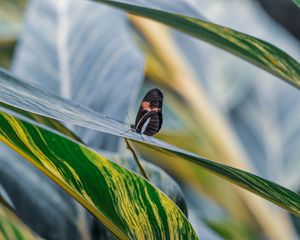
point(149, 117)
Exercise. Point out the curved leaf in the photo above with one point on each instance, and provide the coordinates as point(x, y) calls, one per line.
point(49, 122)
point(274, 192)
point(40, 203)
point(74, 58)
point(254, 50)
point(27, 97)
point(124, 202)
point(297, 2)
point(157, 177)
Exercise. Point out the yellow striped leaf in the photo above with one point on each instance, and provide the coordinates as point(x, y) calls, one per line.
point(29, 98)
point(251, 49)
point(124, 202)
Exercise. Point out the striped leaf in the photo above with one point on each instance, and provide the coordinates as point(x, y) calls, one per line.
point(41, 203)
point(27, 97)
point(124, 202)
point(256, 51)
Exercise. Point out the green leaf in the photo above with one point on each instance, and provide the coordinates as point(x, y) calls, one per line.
point(124, 202)
point(297, 2)
point(256, 51)
point(274, 192)
point(27, 97)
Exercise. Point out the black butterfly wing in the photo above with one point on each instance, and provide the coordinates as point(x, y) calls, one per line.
point(155, 99)
point(149, 116)
point(150, 123)
point(154, 123)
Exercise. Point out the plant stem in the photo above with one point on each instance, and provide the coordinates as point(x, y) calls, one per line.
point(136, 159)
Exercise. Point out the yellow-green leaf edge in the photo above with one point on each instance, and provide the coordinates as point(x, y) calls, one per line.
point(124, 202)
point(251, 49)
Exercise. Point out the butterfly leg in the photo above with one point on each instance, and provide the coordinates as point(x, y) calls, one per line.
point(149, 138)
point(142, 137)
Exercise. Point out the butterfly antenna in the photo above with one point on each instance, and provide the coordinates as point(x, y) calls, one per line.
point(116, 120)
point(125, 132)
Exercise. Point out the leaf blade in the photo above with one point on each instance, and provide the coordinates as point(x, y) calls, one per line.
point(27, 97)
point(256, 51)
point(104, 188)
point(297, 2)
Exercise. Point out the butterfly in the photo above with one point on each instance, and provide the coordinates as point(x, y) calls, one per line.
point(149, 117)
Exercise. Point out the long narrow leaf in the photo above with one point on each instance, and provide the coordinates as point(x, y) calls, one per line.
point(254, 50)
point(27, 97)
point(124, 202)
point(297, 2)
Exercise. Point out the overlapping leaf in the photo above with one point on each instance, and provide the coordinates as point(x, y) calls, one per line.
point(27, 97)
point(254, 100)
point(124, 202)
point(55, 212)
point(297, 2)
point(74, 58)
point(249, 48)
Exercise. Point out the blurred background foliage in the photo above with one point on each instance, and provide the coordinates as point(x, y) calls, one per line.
point(241, 115)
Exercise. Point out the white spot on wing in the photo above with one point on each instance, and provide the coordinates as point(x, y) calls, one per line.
point(145, 125)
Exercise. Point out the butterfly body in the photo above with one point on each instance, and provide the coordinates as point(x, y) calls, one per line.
point(149, 117)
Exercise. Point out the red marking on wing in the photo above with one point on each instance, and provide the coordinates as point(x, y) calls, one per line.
point(146, 105)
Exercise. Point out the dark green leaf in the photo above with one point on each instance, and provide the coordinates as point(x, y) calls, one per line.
point(254, 50)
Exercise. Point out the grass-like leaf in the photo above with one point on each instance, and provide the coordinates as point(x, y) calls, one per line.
point(274, 192)
point(124, 202)
point(297, 2)
point(254, 50)
point(27, 97)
